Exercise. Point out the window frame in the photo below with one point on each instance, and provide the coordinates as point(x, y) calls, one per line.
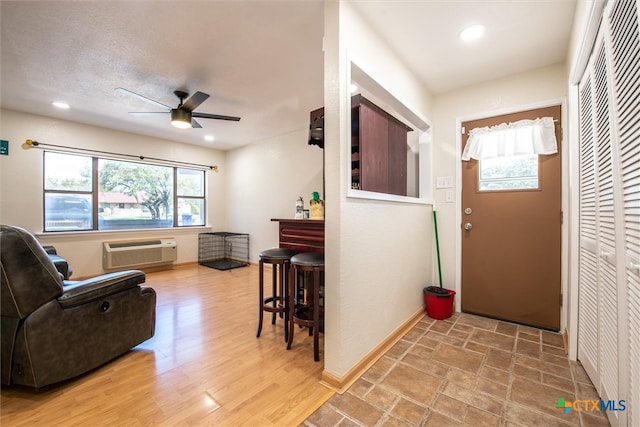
point(538, 179)
point(178, 197)
point(94, 194)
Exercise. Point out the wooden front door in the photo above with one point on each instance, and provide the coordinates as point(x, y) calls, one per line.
point(511, 245)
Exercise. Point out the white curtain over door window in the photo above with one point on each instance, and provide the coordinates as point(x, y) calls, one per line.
point(524, 137)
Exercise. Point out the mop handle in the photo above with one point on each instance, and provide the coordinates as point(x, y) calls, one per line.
point(435, 226)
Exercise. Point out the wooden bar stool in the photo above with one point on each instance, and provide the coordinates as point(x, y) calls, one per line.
point(276, 303)
point(308, 313)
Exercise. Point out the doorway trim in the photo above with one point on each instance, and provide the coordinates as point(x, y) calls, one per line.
point(565, 235)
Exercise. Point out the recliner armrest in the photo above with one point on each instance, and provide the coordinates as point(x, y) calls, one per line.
point(51, 250)
point(61, 265)
point(80, 292)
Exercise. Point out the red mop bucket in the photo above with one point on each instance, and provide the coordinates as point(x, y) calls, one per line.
point(439, 302)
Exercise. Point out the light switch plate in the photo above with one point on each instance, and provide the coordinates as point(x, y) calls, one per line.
point(444, 182)
point(449, 196)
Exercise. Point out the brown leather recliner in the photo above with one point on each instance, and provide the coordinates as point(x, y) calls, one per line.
point(53, 330)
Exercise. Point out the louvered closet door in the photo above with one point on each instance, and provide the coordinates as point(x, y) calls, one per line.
point(588, 277)
point(625, 48)
point(609, 266)
point(606, 231)
point(598, 297)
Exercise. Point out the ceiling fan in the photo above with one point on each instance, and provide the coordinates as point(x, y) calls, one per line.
point(182, 116)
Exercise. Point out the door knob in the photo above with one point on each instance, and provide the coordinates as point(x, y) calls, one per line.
point(468, 226)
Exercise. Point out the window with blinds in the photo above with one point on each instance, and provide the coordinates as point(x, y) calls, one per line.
point(609, 266)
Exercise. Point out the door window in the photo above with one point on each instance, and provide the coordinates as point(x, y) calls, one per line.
point(509, 173)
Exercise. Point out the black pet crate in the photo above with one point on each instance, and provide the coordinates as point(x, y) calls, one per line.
point(222, 250)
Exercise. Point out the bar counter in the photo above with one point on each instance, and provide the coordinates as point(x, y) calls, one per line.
point(304, 235)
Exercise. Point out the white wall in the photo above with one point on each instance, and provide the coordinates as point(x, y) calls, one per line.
point(264, 181)
point(379, 254)
point(482, 100)
point(21, 177)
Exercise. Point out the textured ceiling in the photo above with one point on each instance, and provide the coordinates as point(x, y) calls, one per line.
point(260, 60)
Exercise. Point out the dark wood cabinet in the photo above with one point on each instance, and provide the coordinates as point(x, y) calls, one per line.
point(397, 158)
point(304, 235)
point(378, 149)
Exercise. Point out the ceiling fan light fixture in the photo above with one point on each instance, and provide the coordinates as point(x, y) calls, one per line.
point(180, 118)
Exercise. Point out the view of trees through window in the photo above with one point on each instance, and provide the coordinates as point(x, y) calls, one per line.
point(509, 173)
point(129, 195)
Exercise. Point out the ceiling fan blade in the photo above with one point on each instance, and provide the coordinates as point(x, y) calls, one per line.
point(195, 100)
point(148, 112)
point(137, 95)
point(195, 124)
point(215, 116)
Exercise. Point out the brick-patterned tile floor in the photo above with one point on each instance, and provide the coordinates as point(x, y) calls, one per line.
point(466, 371)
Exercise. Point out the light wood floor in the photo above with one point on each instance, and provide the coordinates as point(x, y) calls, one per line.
point(204, 366)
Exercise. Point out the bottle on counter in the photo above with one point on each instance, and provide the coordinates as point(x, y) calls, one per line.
point(299, 208)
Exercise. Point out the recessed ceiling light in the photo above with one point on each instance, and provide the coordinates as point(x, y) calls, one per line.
point(209, 138)
point(473, 32)
point(62, 105)
point(353, 88)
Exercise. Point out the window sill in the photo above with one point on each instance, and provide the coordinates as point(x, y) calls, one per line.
point(371, 195)
point(142, 231)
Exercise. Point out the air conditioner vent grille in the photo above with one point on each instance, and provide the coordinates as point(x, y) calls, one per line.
point(115, 245)
point(138, 253)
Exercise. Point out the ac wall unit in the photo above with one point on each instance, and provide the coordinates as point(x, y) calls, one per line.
point(137, 253)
